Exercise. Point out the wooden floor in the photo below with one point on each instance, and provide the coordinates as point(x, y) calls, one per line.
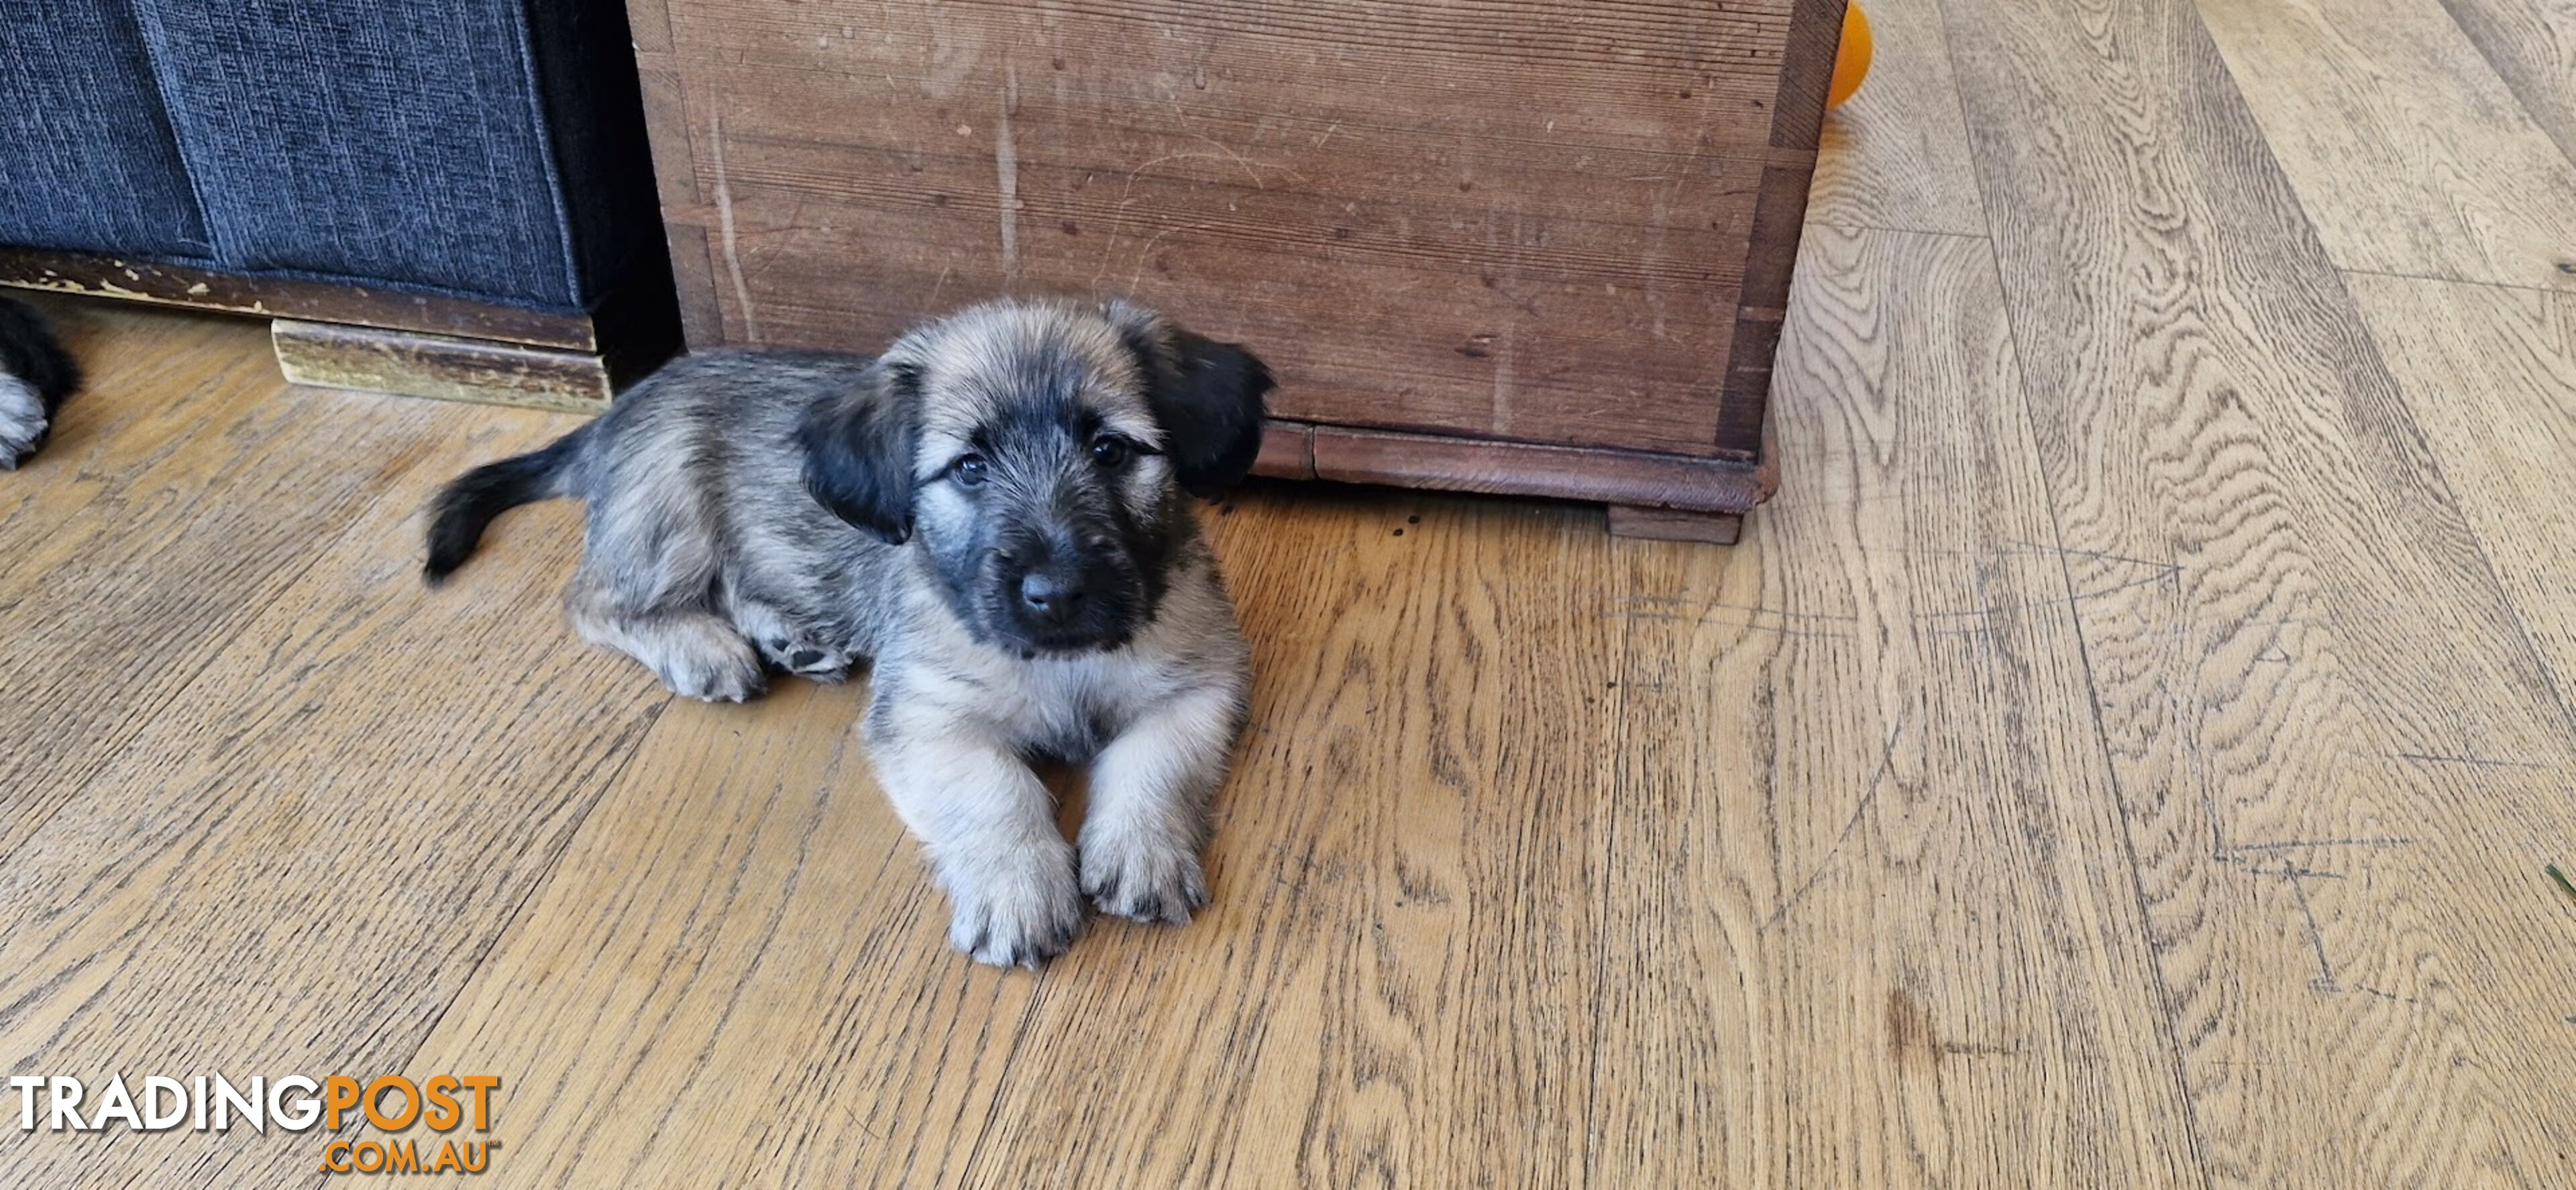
point(2124, 754)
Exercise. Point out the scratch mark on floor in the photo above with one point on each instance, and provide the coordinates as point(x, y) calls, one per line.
point(2325, 980)
point(2287, 844)
point(2371, 991)
point(2172, 572)
point(1877, 781)
point(2096, 554)
point(2285, 868)
point(2471, 761)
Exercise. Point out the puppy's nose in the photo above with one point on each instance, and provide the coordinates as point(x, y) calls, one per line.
point(1051, 592)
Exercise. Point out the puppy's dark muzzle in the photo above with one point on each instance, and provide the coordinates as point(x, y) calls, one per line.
point(1067, 591)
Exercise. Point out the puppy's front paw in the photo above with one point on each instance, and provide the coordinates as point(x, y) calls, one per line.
point(1017, 910)
point(1142, 878)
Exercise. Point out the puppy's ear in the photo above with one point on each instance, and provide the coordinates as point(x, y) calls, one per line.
point(1206, 394)
point(858, 450)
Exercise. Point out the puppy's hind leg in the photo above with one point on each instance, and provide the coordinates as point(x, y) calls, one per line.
point(651, 572)
point(693, 650)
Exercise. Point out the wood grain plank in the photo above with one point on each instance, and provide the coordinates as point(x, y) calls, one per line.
point(2460, 182)
point(1896, 155)
point(2531, 44)
point(738, 975)
point(2299, 656)
point(294, 864)
point(2490, 374)
point(1868, 914)
point(181, 493)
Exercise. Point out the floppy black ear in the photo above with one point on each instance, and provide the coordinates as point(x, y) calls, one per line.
point(1206, 394)
point(858, 451)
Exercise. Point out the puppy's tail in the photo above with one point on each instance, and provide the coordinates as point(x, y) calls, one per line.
point(469, 502)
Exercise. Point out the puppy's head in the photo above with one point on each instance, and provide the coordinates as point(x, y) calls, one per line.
point(1037, 452)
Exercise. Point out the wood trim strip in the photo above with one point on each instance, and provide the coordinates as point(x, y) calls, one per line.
point(1806, 74)
point(279, 297)
point(1673, 524)
point(1598, 474)
point(1779, 214)
point(371, 359)
point(1287, 451)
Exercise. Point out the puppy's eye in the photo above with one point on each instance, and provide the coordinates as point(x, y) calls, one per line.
point(969, 471)
point(1110, 450)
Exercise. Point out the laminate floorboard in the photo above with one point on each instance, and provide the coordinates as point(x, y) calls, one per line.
point(2125, 752)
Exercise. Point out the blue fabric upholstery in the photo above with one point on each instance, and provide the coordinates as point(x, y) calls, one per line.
point(424, 143)
point(86, 156)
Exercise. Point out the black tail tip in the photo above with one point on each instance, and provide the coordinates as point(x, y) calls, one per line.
point(452, 538)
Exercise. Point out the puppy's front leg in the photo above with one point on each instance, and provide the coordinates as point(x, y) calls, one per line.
point(987, 830)
point(1149, 807)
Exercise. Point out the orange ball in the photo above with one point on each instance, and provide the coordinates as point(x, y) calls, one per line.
point(1851, 58)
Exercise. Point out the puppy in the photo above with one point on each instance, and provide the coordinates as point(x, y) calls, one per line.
point(994, 513)
point(36, 376)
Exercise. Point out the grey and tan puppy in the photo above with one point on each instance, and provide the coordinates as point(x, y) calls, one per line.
point(994, 512)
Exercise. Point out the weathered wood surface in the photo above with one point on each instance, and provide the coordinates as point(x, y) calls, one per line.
point(415, 365)
point(1545, 220)
point(1673, 524)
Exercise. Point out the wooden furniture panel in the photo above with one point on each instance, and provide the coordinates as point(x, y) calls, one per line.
point(1544, 223)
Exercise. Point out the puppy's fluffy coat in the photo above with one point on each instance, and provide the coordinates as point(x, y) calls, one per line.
point(994, 512)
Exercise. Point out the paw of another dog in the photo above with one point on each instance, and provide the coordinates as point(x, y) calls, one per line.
point(719, 668)
point(1018, 911)
point(805, 660)
point(1142, 878)
point(22, 422)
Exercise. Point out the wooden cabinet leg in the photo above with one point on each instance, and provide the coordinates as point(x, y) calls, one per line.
point(333, 355)
point(1673, 524)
